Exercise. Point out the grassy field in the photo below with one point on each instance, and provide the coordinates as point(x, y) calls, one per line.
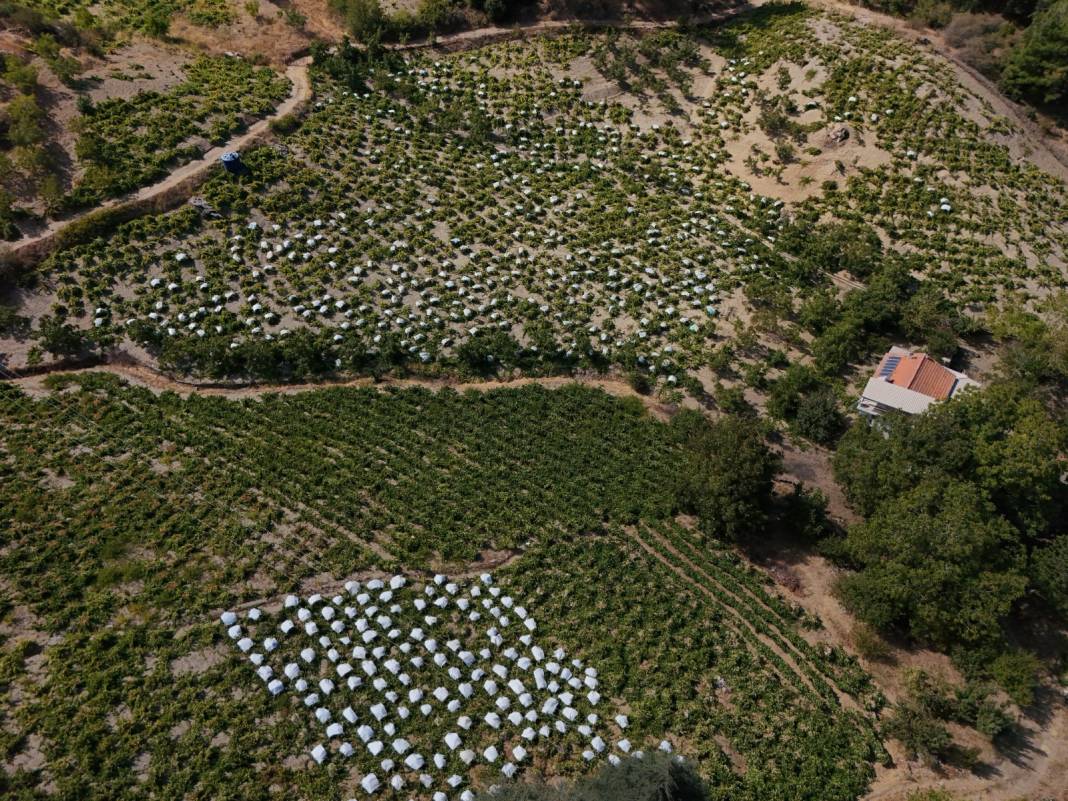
point(131, 521)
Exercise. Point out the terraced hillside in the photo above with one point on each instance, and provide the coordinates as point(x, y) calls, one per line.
point(587, 199)
point(132, 520)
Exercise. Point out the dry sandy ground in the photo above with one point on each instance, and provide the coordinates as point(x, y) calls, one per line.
point(1049, 151)
point(268, 35)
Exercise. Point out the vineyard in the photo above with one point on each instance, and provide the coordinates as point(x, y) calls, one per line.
point(124, 144)
point(593, 199)
point(133, 521)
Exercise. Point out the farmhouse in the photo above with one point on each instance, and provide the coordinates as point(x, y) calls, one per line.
point(909, 382)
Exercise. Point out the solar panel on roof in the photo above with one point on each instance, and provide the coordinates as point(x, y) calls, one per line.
point(890, 366)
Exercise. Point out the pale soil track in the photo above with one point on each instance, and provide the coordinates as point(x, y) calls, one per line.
point(149, 378)
point(478, 37)
point(176, 187)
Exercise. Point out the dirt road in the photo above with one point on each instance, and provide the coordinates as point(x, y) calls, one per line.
point(179, 185)
point(144, 376)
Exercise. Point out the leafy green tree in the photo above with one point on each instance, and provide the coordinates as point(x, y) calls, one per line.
point(726, 473)
point(818, 417)
point(1037, 67)
point(929, 318)
point(487, 351)
point(786, 393)
point(59, 338)
point(850, 246)
point(923, 735)
point(1001, 439)
point(1049, 573)
point(838, 346)
point(938, 564)
point(364, 18)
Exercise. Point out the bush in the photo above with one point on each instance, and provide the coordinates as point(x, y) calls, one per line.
point(59, 338)
point(932, 13)
point(1016, 672)
point(869, 644)
point(364, 18)
point(818, 417)
point(983, 41)
point(923, 735)
point(285, 124)
point(1037, 67)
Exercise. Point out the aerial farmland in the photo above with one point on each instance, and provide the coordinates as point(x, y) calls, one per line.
point(536, 404)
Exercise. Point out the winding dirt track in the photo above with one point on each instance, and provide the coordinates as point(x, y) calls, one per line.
point(144, 376)
point(180, 184)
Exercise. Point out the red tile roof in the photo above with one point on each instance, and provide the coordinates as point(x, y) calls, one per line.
point(920, 373)
point(933, 380)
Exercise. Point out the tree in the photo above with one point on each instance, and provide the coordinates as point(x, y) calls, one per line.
point(999, 438)
point(938, 564)
point(1037, 67)
point(818, 418)
point(364, 18)
point(726, 473)
point(850, 246)
point(929, 318)
point(487, 351)
point(59, 338)
point(1049, 573)
point(923, 735)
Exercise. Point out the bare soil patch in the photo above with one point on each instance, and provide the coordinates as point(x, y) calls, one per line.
point(268, 35)
point(199, 661)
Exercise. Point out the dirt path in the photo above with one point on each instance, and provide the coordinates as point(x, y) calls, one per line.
point(143, 376)
point(179, 185)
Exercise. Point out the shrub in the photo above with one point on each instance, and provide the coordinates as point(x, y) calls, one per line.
point(1016, 672)
point(364, 18)
point(869, 644)
point(285, 124)
point(818, 417)
point(1037, 67)
point(922, 735)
